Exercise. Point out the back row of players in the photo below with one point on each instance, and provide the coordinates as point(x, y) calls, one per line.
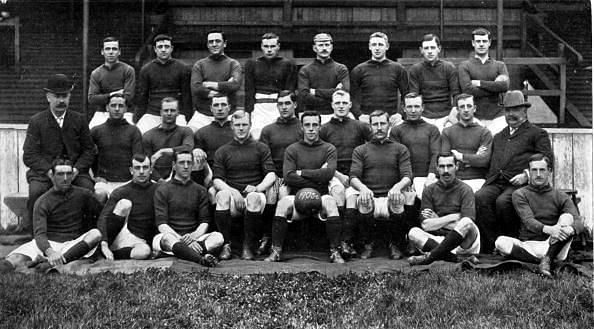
point(364, 171)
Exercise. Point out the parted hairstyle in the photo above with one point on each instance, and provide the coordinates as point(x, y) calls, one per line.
point(61, 162)
point(311, 114)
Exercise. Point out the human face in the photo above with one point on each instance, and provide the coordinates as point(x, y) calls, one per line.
point(183, 166)
point(58, 103)
point(215, 43)
point(515, 116)
point(241, 128)
point(163, 49)
point(111, 51)
point(430, 50)
point(270, 47)
point(220, 108)
point(323, 49)
point(539, 173)
point(286, 107)
point(341, 104)
point(116, 108)
point(446, 168)
point(62, 177)
point(169, 112)
point(311, 129)
point(466, 109)
point(413, 107)
point(379, 127)
point(141, 171)
point(378, 47)
point(481, 44)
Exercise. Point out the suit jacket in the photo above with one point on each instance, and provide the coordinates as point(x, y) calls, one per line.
point(511, 152)
point(46, 141)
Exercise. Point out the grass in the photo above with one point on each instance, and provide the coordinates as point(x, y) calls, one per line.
point(167, 299)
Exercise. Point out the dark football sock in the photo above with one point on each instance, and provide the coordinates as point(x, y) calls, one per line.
point(349, 223)
point(451, 241)
point(429, 245)
point(223, 221)
point(252, 226)
point(333, 230)
point(279, 231)
point(365, 223)
point(114, 225)
point(520, 253)
point(267, 217)
point(77, 251)
point(122, 253)
point(397, 230)
point(6, 266)
point(555, 248)
point(411, 216)
point(180, 250)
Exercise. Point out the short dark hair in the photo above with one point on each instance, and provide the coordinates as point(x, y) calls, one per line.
point(118, 95)
point(217, 31)
point(311, 114)
point(540, 157)
point(61, 162)
point(411, 95)
point(176, 155)
point(239, 114)
point(169, 100)
point(462, 96)
point(378, 113)
point(270, 35)
point(284, 93)
point(109, 39)
point(481, 31)
point(161, 37)
point(140, 157)
point(445, 155)
point(431, 37)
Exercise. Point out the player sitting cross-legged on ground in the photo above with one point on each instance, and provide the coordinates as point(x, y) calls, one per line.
point(447, 209)
point(182, 217)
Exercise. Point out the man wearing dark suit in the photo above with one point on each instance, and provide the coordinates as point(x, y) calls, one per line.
point(512, 147)
point(57, 132)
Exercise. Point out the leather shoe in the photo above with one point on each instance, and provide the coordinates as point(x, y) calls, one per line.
point(544, 267)
point(419, 260)
point(208, 260)
point(367, 251)
point(395, 253)
point(225, 252)
point(275, 255)
point(347, 250)
point(264, 246)
point(247, 253)
point(335, 256)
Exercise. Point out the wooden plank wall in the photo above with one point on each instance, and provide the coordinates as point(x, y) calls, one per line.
point(572, 148)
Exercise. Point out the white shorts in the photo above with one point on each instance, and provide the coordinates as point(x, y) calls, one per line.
point(496, 125)
point(440, 123)
point(31, 250)
point(156, 245)
point(474, 249)
point(150, 121)
point(538, 249)
point(108, 187)
point(265, 112)
point(100, 118)
point(199, 120)
point(277, 191)
point(380, 205)
point(333, 183)
point(419, 184)
point(126, 239)
point(475, 184)
point(237, 213)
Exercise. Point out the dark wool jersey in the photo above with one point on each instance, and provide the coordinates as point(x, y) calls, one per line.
point(63, 216)
point(268, 76)
point(183, 206)
point(323, 77)
point(309, 159)
point(423, 142)
point(438, 83)
point(375, 86)
point(446, 200)
point(106, 79)
point(240, 165)
point(159, 80)
point(181, 139)
point(117, 141)
point(141, 220)
point(540, 206)
point(216, 68)
point(381, 164)
point(486, 97)
point(345, 134)
point(467, 140)
point(278, 136)
point(209, 138)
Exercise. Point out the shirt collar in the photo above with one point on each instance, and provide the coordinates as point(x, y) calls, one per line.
point(178, 182)
point(290, 120)
point(328, 61)
point(480, 60)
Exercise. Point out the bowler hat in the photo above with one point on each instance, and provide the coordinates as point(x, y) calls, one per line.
point(59, 84)
point(514, 98)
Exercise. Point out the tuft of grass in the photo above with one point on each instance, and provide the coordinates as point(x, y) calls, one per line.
point(167, 299)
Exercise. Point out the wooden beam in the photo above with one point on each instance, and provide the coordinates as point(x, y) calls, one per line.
point(499, 53)
point(85, 56)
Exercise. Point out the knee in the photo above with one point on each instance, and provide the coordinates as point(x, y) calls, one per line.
point(214, 241)
point(465, 225)
point(141, 251)
point(254, 202)
point(351, 202)
point(566, 219)
point(212, 192)
point(283, 206)
point(122, 208)
point(329, 205)
point(223, 199)
point(93, 237)
point(416, 236)
point(504, 245)
point(338, 192)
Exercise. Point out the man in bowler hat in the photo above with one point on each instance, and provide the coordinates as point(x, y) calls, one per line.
point(512, 149)
point(57, 132)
